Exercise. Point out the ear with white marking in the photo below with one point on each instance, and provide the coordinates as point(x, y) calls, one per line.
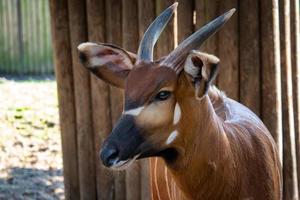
point(110, 63)
point(201, 69)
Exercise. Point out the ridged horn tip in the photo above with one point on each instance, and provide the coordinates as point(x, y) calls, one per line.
point(194, 41)
point(174, 6)
point(229, 13)
point(145, 51)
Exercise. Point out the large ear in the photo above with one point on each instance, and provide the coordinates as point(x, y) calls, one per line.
point(110, 63)
point(201, 69)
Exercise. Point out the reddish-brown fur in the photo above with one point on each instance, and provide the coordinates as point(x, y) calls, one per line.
point(222, 149)
point(227, 152)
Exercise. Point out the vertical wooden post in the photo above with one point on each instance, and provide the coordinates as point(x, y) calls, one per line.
point(205, 12)
point(34, 31)
point(64, 78)
point(228, 51)
point(85, 137)
point(185, 17)
point(30, 36)
point(249, 54)
point(3, 25)
point(20, 35)
point(26, 28)
point(100, 101)
point(290, 185)
point(270, 64)
point(295, 56)
point(114, 36)
point(146, 14)
point(130, 43)
point(166, 42)
point(38, 66)
point(9, 39)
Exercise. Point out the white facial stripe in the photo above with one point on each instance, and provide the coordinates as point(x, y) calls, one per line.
point(172, 137)
point(134, 112)
point(177, 114)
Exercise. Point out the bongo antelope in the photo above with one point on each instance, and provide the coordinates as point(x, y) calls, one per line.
point(212, 146)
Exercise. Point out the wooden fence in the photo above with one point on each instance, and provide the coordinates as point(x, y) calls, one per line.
point(259, 52)
point(25, 37)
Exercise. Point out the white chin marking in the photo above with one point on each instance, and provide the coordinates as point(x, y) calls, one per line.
point(123, 164)
point(172, 137)
point(134, 112)
point(177, 114)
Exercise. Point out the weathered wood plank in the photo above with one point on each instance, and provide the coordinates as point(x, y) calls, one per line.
point(4, 21)
point(205, 12)
point(114, 36)
point(146, 13)
point(100, 101)
point(64, 78)
point(166, 42)
point(270, 69)
point(295, 56)
point(9, 41)
point(185, 17)
point(26, 28)
point(130, 42)
point(290, 184)
point(20, 36)
point(228, 51)
point(249, 54)
point(85, 136)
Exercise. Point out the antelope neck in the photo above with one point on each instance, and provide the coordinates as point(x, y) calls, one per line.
point(204, 148)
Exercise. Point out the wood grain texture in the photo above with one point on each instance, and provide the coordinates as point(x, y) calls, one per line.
point(270, 65)
point(85, 136)
point(295, 53)
point(166, 42)
point(228, 52)
point(290, 182)
point(185, 17)
point(114, 36)
point(130, 42)
point(249, 55)
point(66, 99)
point(146, 13)
point(100, 101)
point(205, 12)
point(251, 71)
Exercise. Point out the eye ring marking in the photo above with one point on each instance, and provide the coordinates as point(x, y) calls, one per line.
point(162, 95)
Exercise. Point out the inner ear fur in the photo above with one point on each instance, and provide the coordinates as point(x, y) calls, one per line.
point(201, 69)
point(108, 62)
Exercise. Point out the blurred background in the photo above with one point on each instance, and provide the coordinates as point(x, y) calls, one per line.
point(51, 106)
point(30, 146)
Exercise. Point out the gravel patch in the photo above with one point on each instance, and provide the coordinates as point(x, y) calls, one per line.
point(30, 146)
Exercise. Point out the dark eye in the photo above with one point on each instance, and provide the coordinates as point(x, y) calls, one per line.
point(162, 95)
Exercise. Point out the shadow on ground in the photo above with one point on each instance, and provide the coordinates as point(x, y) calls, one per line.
point(30, 183)
point(30, 147)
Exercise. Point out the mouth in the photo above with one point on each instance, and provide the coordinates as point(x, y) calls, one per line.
point(123, 164)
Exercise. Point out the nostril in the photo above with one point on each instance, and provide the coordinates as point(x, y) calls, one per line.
point(108, 155)
point(112, 154)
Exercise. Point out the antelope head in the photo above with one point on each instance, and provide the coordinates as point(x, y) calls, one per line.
point(152, 89)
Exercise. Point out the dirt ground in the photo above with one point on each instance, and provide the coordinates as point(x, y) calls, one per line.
point(30, 147)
